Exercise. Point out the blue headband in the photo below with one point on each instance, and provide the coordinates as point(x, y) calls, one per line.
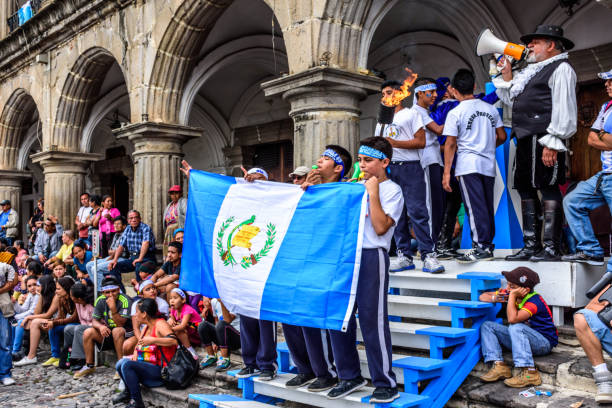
point(259, 171)
point(336, 158)
point(426, 87)
point(179, 292)
point(371, 152)
point(109, 287)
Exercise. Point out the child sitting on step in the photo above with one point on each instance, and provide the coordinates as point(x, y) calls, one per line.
point(184, 320)
point(531, 330)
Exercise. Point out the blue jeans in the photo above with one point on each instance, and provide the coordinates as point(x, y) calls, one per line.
point(601, 331)
point(124, 265)
point(18, 333)
point(55, 339)
point(578, 204)
point(6, 340)
point(102, 270)
point(524, 342)
point(134, 373)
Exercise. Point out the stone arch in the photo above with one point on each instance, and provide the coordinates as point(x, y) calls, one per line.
point(469, 18)
point(174, 60)
point(251, 48)
point(16, 118)
point(78, 96)
point(109, 102)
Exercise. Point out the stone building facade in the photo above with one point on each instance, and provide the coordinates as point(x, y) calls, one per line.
point(109, 96)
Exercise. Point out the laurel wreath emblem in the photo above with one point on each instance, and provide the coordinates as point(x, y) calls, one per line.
point(246, 262)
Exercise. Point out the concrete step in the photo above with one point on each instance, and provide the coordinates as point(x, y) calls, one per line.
point(441, 282)
point(416, 307)
point(566, 367)
point(404, 335)
point(475, 394)
point(276, 388)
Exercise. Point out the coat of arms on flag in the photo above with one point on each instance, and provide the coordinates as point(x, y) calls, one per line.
point(240, 237)
point(273, 251)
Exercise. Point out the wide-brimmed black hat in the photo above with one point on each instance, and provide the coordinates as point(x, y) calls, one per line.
point(548, 31)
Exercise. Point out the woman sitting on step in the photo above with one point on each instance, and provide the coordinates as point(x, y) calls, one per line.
point(144, 367)
point(60, 312)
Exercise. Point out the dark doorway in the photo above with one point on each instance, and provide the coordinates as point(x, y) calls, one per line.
point(120, 191)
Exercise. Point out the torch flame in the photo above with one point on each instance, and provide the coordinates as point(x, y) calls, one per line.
point(402, 93)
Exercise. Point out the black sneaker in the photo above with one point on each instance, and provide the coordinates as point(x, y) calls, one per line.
point(267, 375)
point(123, 396)
point(247, 372)
point(584, 258)
point(345, 387)
point(12, 321)
point(300, 380)
point(384, 394)
point(323, 384)
point(475, 255)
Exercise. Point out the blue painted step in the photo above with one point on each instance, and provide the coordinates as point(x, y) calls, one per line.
point(465, 309)
point(225, 401)
point(481, 282)
point(442, 337)
point(418, 369)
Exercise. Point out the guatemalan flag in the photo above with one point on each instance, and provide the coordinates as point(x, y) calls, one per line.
point(272, 251)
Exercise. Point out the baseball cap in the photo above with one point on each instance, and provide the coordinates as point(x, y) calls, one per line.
point(300, 171)
point(5, 202)
point(176, 188)
point(522, 276)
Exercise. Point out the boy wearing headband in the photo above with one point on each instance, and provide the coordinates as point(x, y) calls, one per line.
point(407, 137)
point(431, 160)
point(310, 347)
point(473, 129)
point(385, 204)
point(111, 321)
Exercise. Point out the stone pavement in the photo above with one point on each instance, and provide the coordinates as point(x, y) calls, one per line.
point(38, 386)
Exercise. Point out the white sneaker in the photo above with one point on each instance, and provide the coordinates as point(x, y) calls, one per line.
point(431, 264)
point(8, 381)
point(25, 361)
point(401, 263)
point(121, 386)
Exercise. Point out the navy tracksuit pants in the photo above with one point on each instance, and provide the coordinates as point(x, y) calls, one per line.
point(478, 198)
point(435, 198)
point(371, 302)
point(258, 343)
point(410, 177)
point(310, 350)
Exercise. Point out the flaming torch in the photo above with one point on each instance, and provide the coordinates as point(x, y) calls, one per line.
point(386, 111)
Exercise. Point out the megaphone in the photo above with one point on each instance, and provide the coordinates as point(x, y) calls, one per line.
point(488, 43)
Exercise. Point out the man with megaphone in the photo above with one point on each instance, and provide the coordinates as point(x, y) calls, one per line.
point(544, 114)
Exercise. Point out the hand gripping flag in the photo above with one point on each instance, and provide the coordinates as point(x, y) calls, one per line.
point(272, 251)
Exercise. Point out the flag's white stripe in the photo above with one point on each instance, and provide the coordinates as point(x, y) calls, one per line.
point(351, 305)
point(241, 289)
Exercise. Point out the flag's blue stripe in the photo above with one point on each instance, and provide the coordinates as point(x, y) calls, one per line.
point(310, 281)
point(206, 194)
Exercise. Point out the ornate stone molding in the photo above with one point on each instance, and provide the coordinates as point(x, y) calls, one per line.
point(55, 23)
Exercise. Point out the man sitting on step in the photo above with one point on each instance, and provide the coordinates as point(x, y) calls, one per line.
point(531, 330)
point(594, 336)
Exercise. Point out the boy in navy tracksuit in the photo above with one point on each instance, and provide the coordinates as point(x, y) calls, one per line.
point(310, 347)
point(385, 204)
point(257, 337)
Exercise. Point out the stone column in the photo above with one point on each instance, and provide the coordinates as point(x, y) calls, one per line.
point(157, 158)
point(10, 188)
point(324, 107)
point(64, 182)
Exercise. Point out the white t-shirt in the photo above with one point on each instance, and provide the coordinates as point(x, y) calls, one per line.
point(473, 123)
point(431, 152)
point(405, 124)
point(218, 313)
point(84, 213)
point(162, 306)
point(606, 156)
point(392, 202)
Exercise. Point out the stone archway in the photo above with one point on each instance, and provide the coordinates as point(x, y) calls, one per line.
point(19, 114)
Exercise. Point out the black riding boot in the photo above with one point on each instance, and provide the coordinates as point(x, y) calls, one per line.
point(532, 229)
point(444, 246)
point(553, 228)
